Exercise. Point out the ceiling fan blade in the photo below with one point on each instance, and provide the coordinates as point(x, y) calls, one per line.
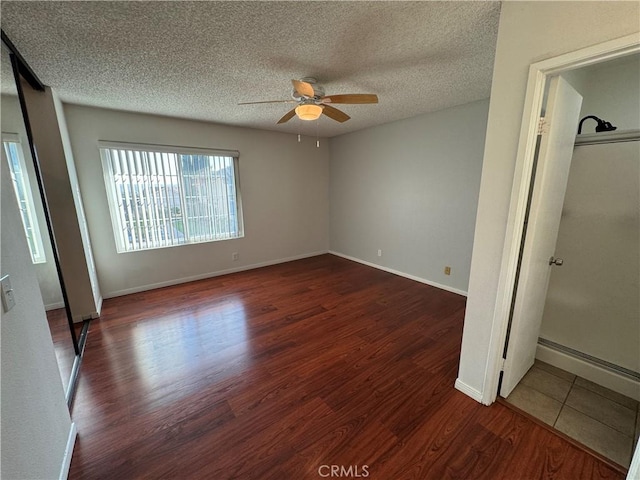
point(288, 116)
point(268, 101)
point(351, 98)
point(335, 114)
point(303, 89)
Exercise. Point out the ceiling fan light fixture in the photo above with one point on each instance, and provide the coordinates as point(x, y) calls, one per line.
point(308, 111)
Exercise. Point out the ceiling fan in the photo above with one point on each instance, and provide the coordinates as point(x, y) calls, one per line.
point(312, 102)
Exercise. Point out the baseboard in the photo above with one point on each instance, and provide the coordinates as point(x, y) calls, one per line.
point(54, 306)
point(90, 316)
point(178, 281)
point(401, 274)
point(619, 383)
point(68, 452)
point(78, 319)
point(469, 391)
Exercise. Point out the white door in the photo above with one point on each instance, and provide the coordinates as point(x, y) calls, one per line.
point(552, 172)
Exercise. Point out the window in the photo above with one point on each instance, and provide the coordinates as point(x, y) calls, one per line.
point(12, 149)
point(166, 196)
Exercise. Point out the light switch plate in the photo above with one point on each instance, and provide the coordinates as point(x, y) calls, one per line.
point(8, 300)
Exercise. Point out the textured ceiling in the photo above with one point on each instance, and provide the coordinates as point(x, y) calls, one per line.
point(199, 59)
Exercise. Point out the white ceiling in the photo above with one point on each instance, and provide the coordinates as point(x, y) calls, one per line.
point(199, 59)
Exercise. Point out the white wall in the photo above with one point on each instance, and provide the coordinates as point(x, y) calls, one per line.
point(528, 32)
point(35, 423)
point(283, 183)
point(64, 204)
point(46, 272)
point(592, 302)
point(410, 189)
point(612, 92)
point(77, 200)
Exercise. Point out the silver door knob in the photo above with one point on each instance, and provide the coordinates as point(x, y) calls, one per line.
point(556, 261)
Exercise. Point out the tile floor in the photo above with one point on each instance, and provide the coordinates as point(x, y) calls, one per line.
point(597, 417)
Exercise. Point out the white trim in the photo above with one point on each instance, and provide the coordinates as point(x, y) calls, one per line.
point(57, 305)
point(538, 74)
point(11, 137)
point(585, 369)
point(608, 137)
point(401, 274)
point(36, 250)
point(114, 155)
point(634, 468)
point(68, 452)
point(53, 306)
point(193, 278)
point(98, 306)
point(467, 390)
point(519, 196)
point(592, 55)
point(82, 318)
point(76, 319)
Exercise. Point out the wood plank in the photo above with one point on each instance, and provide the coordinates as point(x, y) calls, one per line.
point(274, 372)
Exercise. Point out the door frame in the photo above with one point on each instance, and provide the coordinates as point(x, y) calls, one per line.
point(539, 74)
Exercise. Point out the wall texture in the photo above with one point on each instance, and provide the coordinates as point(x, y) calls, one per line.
point(283, 183)
point(35, 421)
point(410, 188)
point(528, 32)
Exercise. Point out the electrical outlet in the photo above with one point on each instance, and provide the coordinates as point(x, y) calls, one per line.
point(235, 256)
point(447, 270)
point(379, 253)
point(8, 299)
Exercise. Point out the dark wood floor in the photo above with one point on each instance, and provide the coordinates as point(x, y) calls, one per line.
point(272, 373)
point(62, 342)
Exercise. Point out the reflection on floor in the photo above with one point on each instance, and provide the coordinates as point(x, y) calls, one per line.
point(62, 343)
point(277, 372)
point(597, 417)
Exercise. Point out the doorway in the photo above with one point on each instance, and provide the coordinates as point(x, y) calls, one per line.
point(590, 326)
point(592, 308)
point(540, 75)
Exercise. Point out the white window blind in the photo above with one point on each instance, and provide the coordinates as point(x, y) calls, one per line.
point(12, 150)
point(165, 196)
